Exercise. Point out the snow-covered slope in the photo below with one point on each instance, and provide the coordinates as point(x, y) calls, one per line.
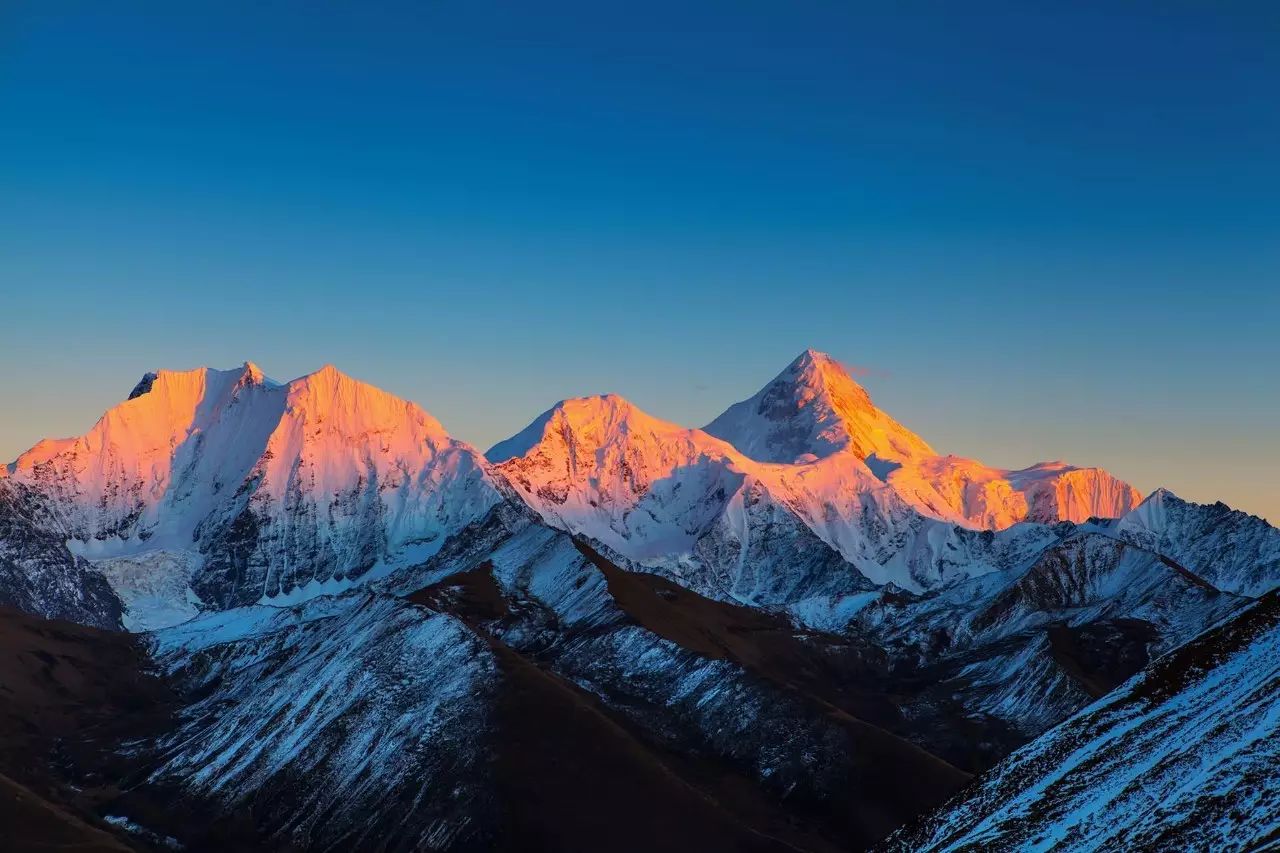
point(1231, 549)
point(1182, 757)
point(1080, 578)
point(1031, 644)
point(532, 694)
point(154, 586)
point(270, 489)
point(736, 685)
point(323, 715)
point(815, 410)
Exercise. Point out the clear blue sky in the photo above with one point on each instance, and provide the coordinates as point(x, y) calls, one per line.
point(1051, 233)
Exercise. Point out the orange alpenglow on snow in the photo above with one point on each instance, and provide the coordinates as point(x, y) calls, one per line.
point(258, 490)
point(318, 480)
point(815, 410)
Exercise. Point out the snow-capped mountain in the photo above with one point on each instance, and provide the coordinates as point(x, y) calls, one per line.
point(1231, 549)
point(1032, 644)
point(811, 410)
point(154, 465)
point(601, 467)
point(215, 488)
point(794, 630)
point(265, 489)
point(687, 504)
point(814, 410)
point(682, 502)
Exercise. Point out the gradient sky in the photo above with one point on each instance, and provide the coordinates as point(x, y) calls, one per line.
point(1045, 234)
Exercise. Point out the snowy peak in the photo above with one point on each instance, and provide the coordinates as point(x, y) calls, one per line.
point(1155, 501)
point(592, 423)
point(333, 402)
point(813, 409)
point(264, 487)
point(337, 434)
point(597, 421)
point(601, 467)
point(1233, 550)
point(169, 412)
point(683, 501)
point(163, 409)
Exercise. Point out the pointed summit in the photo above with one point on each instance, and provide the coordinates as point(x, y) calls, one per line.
point(603, 468)
point(1161, 495)
point(584, 422)
point(352, 407)
point(813, 409)
point(1233, 550)
point(250, 373)
point(144, 385)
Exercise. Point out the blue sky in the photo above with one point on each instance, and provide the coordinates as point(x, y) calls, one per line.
point(1049, 233)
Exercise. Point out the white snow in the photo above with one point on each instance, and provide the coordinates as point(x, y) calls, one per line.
point(362, 695)
point(1188, 766)
point(337, 476)
point(814, 410)
point(154, 586)
point(1232, 550)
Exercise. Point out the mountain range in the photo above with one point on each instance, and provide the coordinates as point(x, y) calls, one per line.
point(333, 626)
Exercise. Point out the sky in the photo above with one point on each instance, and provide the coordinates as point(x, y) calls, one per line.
point(1039, 231)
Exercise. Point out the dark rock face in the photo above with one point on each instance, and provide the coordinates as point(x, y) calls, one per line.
point(230, 562)
point(1103, 655)
point(144, 385)
point(70, 696)
point(38, 574)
